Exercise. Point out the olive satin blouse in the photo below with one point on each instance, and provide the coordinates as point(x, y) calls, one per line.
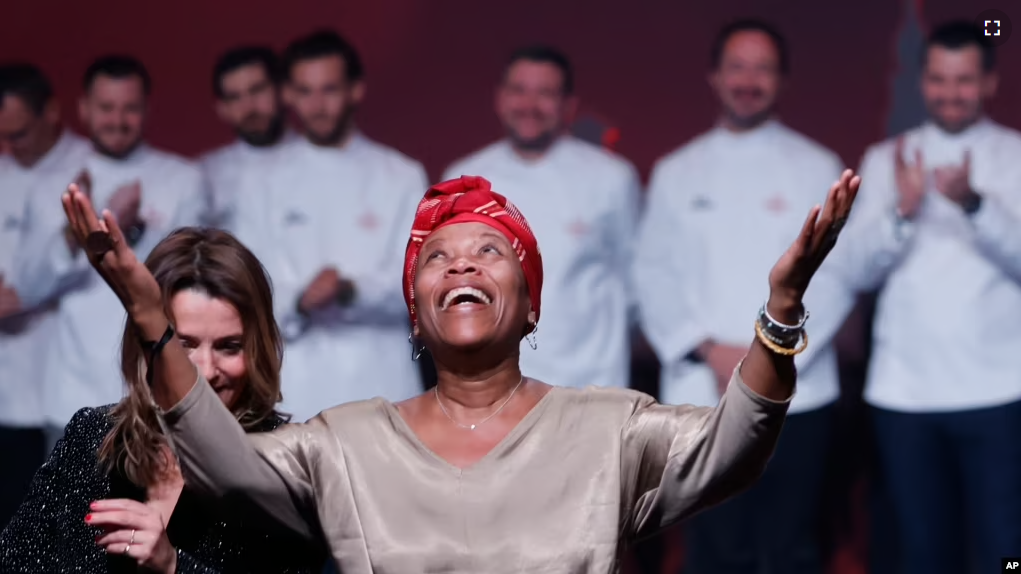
point(585, 471)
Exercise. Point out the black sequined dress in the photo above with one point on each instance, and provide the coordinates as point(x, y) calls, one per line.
point(49, 534)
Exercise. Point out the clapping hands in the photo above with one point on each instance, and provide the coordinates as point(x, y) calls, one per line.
point(952, 182)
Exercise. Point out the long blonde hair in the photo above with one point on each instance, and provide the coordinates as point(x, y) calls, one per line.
point(214, 262)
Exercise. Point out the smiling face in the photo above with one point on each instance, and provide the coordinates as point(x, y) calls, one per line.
point(470, 290)
point(211, 331)
point(533, 104)
point(250, 105)
point(747, 80)
point(113, 111)
point(955, 86)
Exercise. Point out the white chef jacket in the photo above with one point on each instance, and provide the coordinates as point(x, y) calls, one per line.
point(83, 366)
point(581, 201)
point(27, 336)
point(224, 170)
point(721, 211)
point(351, 208)
point(947, 332)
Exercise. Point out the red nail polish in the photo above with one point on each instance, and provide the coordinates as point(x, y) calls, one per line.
point(88, 518)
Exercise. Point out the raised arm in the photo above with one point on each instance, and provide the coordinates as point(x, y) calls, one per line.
point(679, 460)
point(213, 448)
point(266, 470)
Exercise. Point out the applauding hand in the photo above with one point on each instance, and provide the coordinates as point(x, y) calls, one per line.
point(10, 303)
point(954, 183)
point(910, 180)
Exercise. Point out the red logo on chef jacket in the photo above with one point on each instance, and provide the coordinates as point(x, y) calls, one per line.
point(368, 221)
point(776, 204)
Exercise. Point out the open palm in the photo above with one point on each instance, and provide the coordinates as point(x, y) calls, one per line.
point(109, 253)
point(793, 272)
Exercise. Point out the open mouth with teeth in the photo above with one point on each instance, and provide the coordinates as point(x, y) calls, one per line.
point(464, 296)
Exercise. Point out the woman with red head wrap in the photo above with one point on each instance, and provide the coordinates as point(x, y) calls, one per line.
point(491, 471)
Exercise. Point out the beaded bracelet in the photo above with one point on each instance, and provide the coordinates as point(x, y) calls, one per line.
point(769, 344)
point(787, 342)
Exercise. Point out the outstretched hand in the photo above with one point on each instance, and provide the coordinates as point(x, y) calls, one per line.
point(791, 275)
point(110, 254)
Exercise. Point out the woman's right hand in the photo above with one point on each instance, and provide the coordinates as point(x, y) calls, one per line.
point(110, 254)
point(134, 529)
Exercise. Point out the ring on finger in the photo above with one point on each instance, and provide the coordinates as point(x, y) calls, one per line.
point(127, 547)
point(132, 541)
point(98, 243)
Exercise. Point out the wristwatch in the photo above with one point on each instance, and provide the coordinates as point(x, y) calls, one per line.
point(972, 204)
point(134, 233)
point(346, 294)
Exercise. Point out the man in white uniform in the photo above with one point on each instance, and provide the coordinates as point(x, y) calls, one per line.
point(150, 192)
point(40, 155)
point(721, 210)
point(330, 221)
point(938, 225)
point(582, 204)
point(246, 82)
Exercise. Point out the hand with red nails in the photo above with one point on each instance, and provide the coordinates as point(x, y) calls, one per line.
point(134, 529)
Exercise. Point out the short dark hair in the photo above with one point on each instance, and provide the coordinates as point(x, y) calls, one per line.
point(119, 67)
point(27, 82)
point(750, 25)
point(242, 56)
point(958, 34)
point(542, 54)
point(322, 44)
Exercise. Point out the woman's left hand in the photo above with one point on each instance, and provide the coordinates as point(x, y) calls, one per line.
point(791, 275)
point(134, 529)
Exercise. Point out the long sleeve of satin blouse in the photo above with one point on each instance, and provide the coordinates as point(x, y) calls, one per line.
point(679, 460)
point(673, 460)
point(268, 470)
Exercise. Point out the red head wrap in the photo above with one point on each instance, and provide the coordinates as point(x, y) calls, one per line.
point(470, 198)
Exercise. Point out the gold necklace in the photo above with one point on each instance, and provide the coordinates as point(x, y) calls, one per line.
point(436, 391)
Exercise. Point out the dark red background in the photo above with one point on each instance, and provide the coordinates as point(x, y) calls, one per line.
point(432, 64)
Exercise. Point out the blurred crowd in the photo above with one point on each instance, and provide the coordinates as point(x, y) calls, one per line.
point(936, 233)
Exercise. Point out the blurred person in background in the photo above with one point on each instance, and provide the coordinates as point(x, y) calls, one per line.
point(40, 156)
point(938, 228)
point(586, 250)
point(717, 208)
point(246, 83)
point(149, 191)
point(329, 219)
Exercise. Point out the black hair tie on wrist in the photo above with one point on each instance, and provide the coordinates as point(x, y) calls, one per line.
point(153, 349)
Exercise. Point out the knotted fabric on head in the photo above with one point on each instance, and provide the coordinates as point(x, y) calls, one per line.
point(471, 199)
